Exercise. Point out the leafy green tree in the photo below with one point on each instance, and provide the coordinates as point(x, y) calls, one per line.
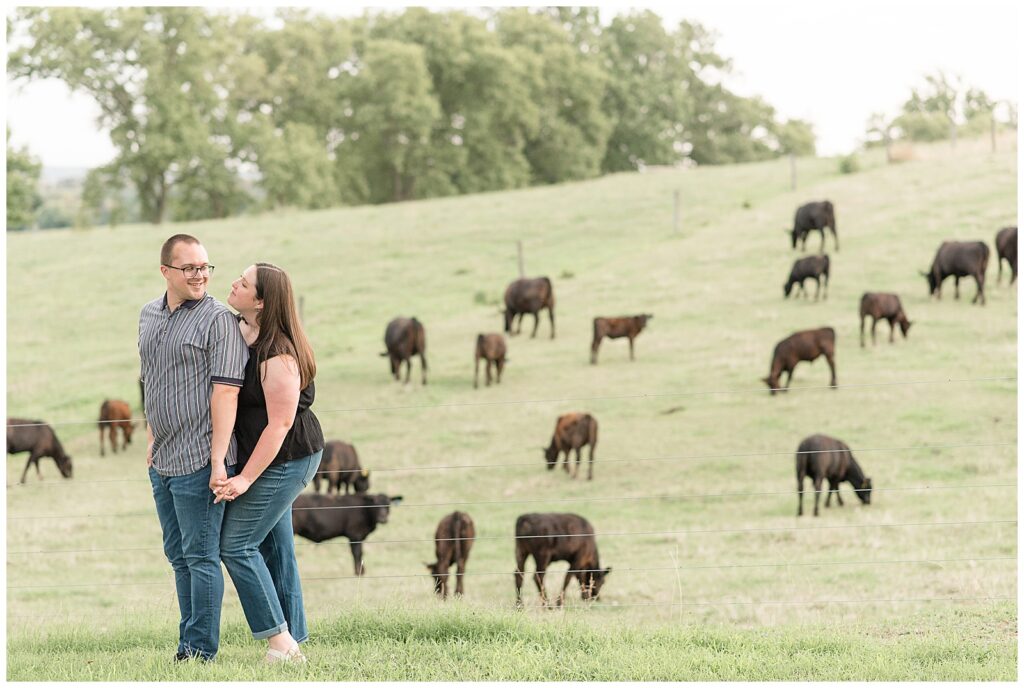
point(795, 137)
point(295, 167)
point(22, 183)
point(152, 70)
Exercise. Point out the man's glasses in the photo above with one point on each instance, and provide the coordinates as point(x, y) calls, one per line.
point(191, 271)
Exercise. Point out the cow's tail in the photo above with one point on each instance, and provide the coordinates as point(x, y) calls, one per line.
point(458, 532)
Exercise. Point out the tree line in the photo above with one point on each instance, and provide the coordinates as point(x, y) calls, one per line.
point(214, 113)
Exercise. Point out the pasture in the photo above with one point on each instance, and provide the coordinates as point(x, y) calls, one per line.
point(723, 582)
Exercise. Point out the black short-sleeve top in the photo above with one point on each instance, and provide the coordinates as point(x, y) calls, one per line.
point(305, 436)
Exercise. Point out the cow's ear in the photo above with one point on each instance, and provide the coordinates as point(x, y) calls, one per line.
point(395, 500)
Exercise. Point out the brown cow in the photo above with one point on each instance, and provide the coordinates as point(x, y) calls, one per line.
point(806, 345)
point(405, 338)
point(616, 328)
point(529, 296)
point(559, 537)
point(573, 431)
point(452, 541)
point(339, 465)
point(1006, 249)
point(491, 348)
point(882, 307)
point(36, 437)
point(115, 414)
point(825, 458)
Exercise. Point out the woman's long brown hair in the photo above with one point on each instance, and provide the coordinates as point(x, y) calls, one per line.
point(280, 328)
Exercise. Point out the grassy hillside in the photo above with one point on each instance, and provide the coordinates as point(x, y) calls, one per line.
point(694, 391)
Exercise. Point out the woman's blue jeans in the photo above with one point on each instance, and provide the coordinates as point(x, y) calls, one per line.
point(258, 550)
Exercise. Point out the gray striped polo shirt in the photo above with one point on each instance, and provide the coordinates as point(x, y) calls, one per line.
point(183, 353)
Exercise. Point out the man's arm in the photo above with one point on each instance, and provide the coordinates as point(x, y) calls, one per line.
point(223, 407)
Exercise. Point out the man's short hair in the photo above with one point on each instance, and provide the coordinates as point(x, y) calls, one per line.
point(167, 252)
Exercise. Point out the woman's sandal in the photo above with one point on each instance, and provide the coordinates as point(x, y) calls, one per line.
point(292, 655)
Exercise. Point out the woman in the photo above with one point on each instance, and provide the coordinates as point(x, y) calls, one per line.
point(279, 448)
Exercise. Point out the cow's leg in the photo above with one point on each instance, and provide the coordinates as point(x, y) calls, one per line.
point(408, 369)
point(113, 438)
point(825, 296)
point(590, 465)
point(551, 317)
point(39, 473)
point(536, 324)
point(520, 567)
point(423, 366)
point(817, 494)
point(830, 357)
point(565, 464)
point(862, 331)
point(316, 482)
point(821, 249)
point(487, 369)
point(835, 488)
point(28, 463)
point(576, 468)
point(999, 275)
point(789, 378)
point(980, 279)
point(874, 336)
point(800, 495)
point(499, 366)
point(103, 430)
point(357, 557)
point(956, 286)
point(892, 329)
point(817, 287)
point(834, 236)
point(538, 578)
point(631, 349)
point(460, 576)
point(593, 350)
point(569, 575)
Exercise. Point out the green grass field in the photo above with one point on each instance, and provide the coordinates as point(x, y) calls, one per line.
point(725, 583)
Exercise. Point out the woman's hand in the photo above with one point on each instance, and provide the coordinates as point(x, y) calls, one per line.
point(228, 490)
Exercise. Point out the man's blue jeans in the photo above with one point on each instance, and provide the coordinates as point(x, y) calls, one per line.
point(191, 525)
point(259, 551)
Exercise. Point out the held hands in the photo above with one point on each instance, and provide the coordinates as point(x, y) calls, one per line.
point(229, 489)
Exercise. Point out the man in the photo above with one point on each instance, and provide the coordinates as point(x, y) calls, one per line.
point(193, 364)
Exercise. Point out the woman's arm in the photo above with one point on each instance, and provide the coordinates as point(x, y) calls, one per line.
point(281, 380)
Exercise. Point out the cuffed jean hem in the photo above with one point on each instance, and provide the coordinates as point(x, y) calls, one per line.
point(273, 631)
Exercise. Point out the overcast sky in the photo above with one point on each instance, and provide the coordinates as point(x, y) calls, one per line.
point(832, 63)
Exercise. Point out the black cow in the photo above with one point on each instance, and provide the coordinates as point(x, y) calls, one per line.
point(405, 338)
point(452, 541)
point(883, 307)
point(529, 296)
point(806, 345)
point(815, 216)
point(339, 466)
point(616, 328)
point(811, 267)
point(1006, 249)
point(958, 259)
point(825, 458)
point(319, 517)
point(40, 440)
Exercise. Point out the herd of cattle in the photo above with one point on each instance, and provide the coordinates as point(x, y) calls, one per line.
point(567, 537)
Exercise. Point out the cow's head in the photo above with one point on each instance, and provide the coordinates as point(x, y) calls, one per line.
point(434, 571)
point(864, 491)
point(644, 318)
point(551, 455)
point(794, 234)
point(905, 326)
point(64, 464)
point(590, 587)
point(786, 289)
point(773, 384)
point(380, 504)
point(128, 428)
point(362, 481)
point(932, 282)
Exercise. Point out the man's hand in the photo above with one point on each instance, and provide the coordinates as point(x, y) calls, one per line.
point(218, 474)
point(232, 488)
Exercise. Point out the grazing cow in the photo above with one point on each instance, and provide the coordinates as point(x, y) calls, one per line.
point(39, 439)
point(573, 431)
point(491, 348)
point(559, 537)
point(806, 345)
point(958, 259)
point(339, 466)
point(319, 517)
point(882, 307)
point(115, 414)
point(405, 338)
point(825, 458)
point(529, 296)
point(811, 267)
point(1006, 248)
point(815, 216)
point(452, 541)
point(616, 328)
